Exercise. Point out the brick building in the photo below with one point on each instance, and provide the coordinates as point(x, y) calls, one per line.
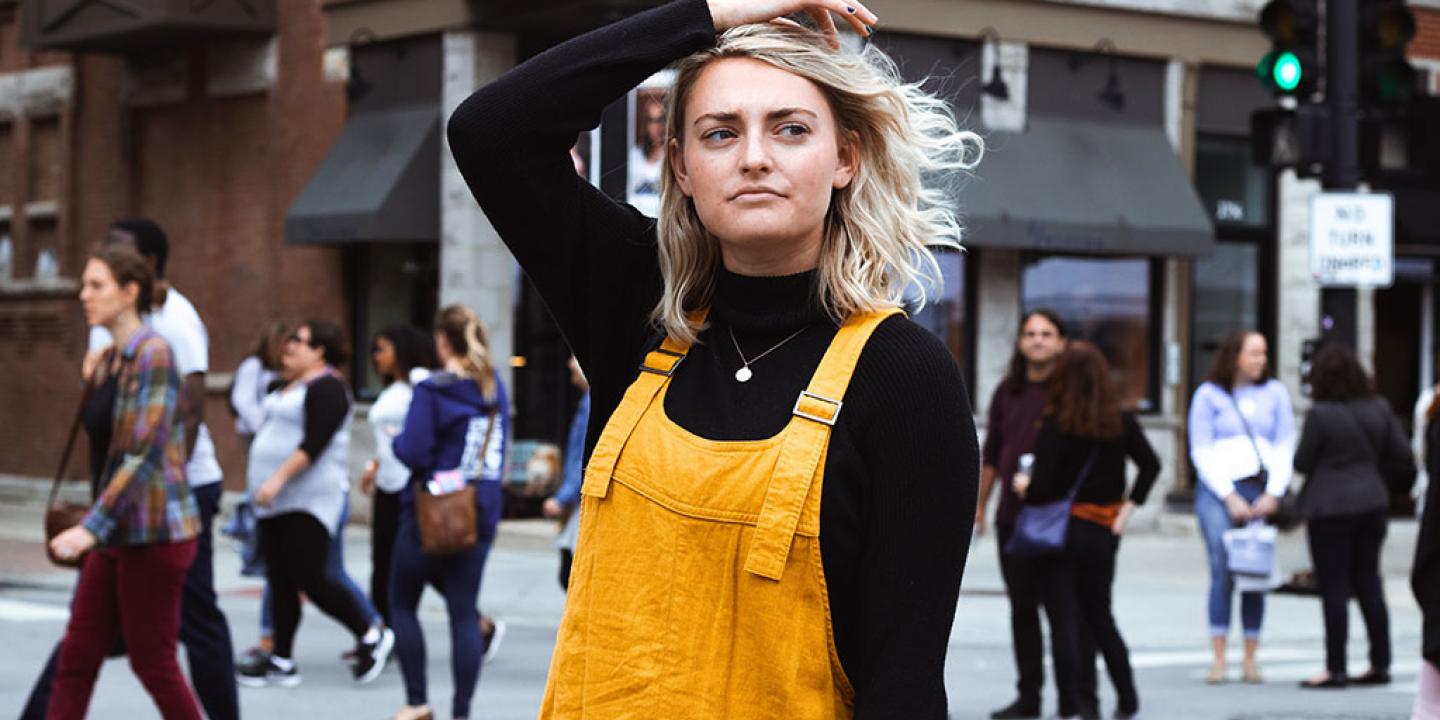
point(211, 135)
point(1425, 49)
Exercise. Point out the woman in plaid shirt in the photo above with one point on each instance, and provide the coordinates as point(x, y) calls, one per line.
point(140, 535)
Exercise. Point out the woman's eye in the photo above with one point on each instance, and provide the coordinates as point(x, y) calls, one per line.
point(794, 130)
point(717, 134)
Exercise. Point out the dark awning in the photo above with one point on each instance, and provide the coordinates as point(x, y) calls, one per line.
point(379, 182)
point(1084, 187)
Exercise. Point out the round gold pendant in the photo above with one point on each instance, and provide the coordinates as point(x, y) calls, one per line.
point(743, 374)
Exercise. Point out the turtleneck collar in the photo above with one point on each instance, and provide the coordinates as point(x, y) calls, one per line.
point(764, 305)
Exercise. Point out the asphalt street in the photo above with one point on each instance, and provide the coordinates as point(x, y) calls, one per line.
point(1159, 603)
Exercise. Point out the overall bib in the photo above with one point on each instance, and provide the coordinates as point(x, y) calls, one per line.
point(697, 589)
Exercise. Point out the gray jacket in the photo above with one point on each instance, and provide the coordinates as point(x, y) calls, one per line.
point(1342, 451)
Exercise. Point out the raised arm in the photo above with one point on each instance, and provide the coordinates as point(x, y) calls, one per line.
point(593, 260)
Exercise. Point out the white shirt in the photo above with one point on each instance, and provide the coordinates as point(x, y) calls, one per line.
point(180, 325)
point(387, 418)
point(251, 380)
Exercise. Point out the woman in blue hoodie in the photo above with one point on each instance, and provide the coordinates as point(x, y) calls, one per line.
point(446, 427)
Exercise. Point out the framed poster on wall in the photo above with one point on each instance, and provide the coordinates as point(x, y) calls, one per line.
point(646, 133)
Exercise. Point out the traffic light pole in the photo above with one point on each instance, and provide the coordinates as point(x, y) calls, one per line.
point(1342, 96)
point(1342, 92)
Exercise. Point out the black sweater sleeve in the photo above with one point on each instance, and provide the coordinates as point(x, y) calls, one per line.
point(919, 446)
point(326, 404)
point(1049, 479)
point(1137, 448)
point(593, 260)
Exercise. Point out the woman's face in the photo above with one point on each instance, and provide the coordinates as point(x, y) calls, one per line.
point(383, 356)
point(760, 154)
point(1251, 363)
point(102, 298)
point(300, 356)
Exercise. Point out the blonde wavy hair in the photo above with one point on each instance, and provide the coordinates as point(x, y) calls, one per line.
point(468, 339)
point(910, 153)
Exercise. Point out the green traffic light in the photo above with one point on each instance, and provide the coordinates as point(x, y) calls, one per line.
point(1287, 71)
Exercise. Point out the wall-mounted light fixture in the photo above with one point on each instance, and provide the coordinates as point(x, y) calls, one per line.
point(996, 87)
point(1111, 95)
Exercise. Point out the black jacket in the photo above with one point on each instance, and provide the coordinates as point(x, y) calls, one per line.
point(1343, 451)
point(1060, 458)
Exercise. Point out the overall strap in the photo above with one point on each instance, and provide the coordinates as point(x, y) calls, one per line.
point(807, 437)
point(657, 369)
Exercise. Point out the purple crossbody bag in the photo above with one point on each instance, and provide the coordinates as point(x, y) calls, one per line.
point(1040, 528)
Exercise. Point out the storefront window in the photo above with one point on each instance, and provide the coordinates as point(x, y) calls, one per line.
point(395, 284)
point(1226, 300)
point(1234, 189)
point(1109, 302)
point(945, 314)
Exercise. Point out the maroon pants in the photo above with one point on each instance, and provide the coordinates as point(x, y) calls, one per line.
point(135, 590)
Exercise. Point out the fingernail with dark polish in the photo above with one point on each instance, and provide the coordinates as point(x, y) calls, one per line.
point(850, 10)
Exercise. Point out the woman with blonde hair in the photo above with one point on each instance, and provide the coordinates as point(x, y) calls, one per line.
point(781, 482)
point(457, 424)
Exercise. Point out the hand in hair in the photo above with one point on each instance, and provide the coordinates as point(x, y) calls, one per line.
point(733, 13)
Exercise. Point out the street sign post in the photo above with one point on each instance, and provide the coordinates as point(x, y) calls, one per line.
point(1352, 240)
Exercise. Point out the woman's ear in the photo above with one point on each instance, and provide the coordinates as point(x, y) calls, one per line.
point(847, 159)
point(131, 292)
point(676, 156)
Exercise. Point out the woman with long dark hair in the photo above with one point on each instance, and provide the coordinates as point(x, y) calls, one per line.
point(403, 357)
point(140, 537)
point(1350, 442)
point(783, 466)
point(1242, 436)
point(1082, 448)
point(458, 421)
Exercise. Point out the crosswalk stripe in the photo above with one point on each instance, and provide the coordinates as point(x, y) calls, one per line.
point(20, 611)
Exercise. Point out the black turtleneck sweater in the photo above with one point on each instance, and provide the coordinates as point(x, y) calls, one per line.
point(900, 477)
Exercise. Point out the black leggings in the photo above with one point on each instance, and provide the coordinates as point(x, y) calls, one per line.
point(1346, 553)
point(295, 546)
point(384, 522)
point(1093, 548)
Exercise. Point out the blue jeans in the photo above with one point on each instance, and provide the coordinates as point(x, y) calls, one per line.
point(1214, 521)
point(335, 568)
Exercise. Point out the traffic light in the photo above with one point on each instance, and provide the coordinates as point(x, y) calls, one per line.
point(1297, 138)
point(1292, 67)
point(1386, 77)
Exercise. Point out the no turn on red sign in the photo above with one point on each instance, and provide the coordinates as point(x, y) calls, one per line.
point(1352, 239)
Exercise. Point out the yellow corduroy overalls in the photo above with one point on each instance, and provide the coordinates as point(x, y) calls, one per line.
point(698, 590)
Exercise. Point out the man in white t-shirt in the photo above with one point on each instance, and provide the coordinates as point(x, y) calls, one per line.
point(203, 628)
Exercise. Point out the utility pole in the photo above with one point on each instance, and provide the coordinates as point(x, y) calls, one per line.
point(1342, 172)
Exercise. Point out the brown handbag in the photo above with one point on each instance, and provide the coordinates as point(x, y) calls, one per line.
point(61, 516)
point(447, 522)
